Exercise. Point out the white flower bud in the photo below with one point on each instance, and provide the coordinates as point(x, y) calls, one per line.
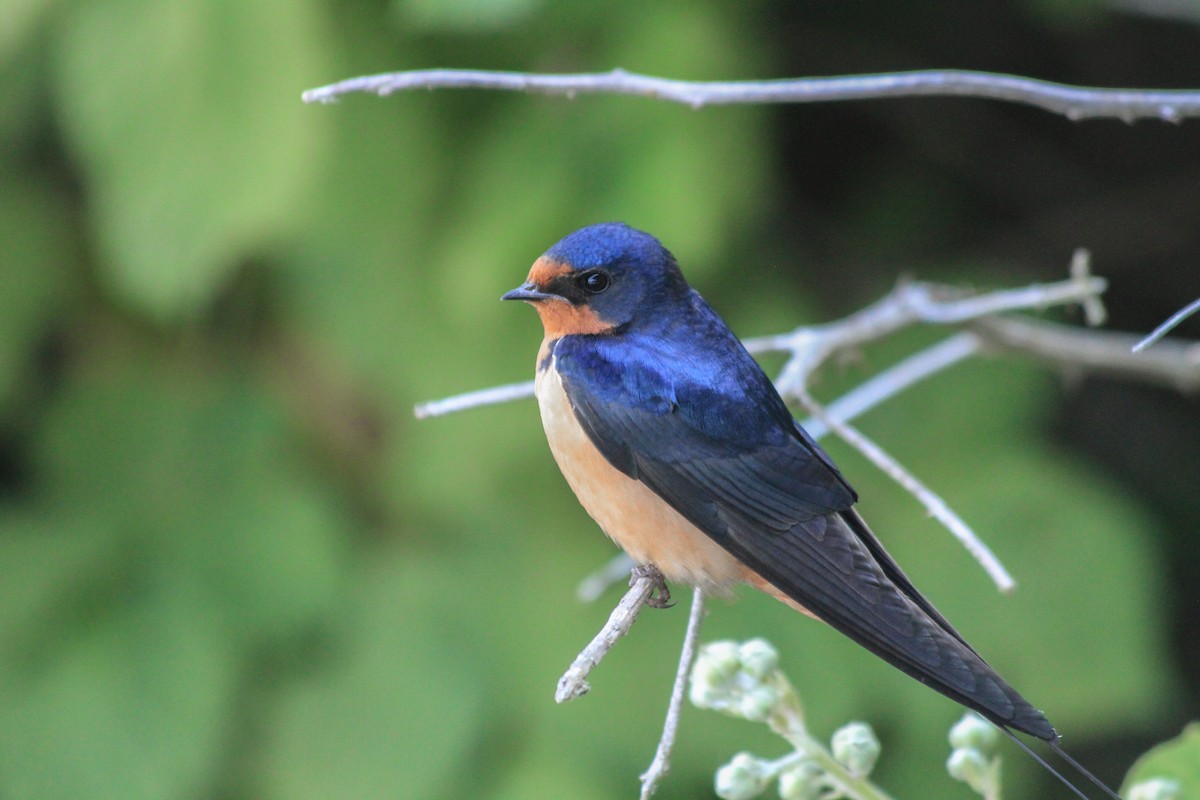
point(743, 778)
point(805, 781)
point(758, 703)
point(716, 664)
point(712, 676)
point(704, 696)
point(856, 748)
point(722, 658)
point(974, 733)
point(969, 766)
point(758, 658)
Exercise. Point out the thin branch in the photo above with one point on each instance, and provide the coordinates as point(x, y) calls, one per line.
point(1172, 363)
point(895, 379)
point(1073, 102)
point(481, 397)
point(912, 303)
point(574, 683)
point(934, 504)
point(662, 756)
point(1080, 270)
point(1166, 327)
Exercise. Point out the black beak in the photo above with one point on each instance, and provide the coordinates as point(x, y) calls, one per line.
point(529, 292)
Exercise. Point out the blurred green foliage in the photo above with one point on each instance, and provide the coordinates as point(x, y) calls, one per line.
point(235, 567)
point(1176, 761)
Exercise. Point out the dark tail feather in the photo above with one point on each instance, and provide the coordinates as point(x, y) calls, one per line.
point(1086, 773)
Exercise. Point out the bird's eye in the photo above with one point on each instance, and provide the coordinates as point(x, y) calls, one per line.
point(595, 281)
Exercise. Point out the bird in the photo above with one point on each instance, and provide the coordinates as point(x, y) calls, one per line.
point(678, 445)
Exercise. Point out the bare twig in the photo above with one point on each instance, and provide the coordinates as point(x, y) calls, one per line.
point(574, 683)
point(1073, 102)
point(1172, 363)
point(662, 756)
point(933, 503)
point(482, 397)
point(912, 303)
point(1080, 270)
point(895, 379)
point(1166, 327)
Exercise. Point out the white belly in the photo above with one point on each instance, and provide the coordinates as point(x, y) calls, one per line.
point(641, 522)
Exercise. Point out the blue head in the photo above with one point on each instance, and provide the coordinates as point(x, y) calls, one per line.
point(600, 279)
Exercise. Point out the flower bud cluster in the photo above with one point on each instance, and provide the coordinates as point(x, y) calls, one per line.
point(744, 680)
point(741, 680)
point(973, 759)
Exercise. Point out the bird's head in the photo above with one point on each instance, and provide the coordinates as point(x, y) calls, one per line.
point(601, 279)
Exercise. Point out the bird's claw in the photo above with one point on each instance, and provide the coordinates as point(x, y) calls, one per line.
point(660, 596)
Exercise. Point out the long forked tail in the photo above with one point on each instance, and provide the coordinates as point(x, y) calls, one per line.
point(1065, 756)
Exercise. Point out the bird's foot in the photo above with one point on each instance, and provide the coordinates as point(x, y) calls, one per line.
point(661, 595)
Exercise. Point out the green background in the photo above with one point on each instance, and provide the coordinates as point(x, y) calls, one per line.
point(232, 563)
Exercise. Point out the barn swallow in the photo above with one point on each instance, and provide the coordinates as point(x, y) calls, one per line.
point(678, 445)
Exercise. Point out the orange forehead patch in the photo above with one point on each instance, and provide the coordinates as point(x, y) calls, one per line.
point(545, 270)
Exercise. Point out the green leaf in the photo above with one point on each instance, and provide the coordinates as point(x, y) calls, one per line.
point(132, 708)
point(194, 469)
point(1175, 760)
point(194, 143)
point(172, 535)
point(398, 712)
